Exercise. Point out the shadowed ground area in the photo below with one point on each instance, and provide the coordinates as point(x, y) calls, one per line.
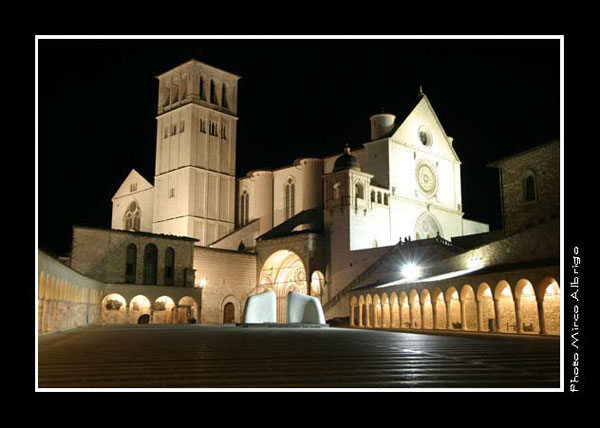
point(179, 356)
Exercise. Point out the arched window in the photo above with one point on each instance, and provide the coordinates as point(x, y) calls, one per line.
point(337, 190)
point(150, 263)
point(290, 198)
point(202, 90)
point(386, 199)
point(372, 195)
point(359, 191)
point(244, 208)
point(378, 197)
point(169, 266)
point(133, 216)
point(130, 264)
point(529, 190)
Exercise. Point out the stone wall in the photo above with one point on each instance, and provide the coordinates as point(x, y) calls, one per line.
point(544, 163)
point(101, 254)
point(66, 299)
point(227, 276)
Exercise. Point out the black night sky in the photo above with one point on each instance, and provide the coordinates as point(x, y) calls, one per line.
point(98, 103)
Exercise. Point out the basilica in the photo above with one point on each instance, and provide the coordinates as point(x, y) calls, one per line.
point(376, 232)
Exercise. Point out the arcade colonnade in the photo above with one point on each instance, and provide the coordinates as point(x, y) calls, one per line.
point(116, 309)
point(66, 299)
point(521, 307)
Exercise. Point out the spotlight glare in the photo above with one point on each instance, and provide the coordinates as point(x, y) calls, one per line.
point(410, 271)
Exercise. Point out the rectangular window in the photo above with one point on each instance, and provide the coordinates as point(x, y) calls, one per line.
point(172, 192)
point(166, 128)
point(133, 187)
point(181, 126)
point(203, 126)
point(223, 132)
point(173, 129)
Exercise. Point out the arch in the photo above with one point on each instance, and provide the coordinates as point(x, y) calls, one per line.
point(133, 215)
point(505, 308)
point(470, 319)
point(230, 314)
point(114, 309)
point(169, 266)
point(549, 305)
point(163, 310)
point(427, 226)
point(426, 309)
point(186, 311)
point(377, 313)
point(485, 303)
point(395, 310)
point(337, 190)
point(415, 309)
point(225, 95)
point(317, 284)
point(290, 198)
point(453, 309)
point(527, 308)
point(282, 272)
point(378, 197)
point(359, 190)
point(372, 195)
point(404, 310)
point(439, 309)
point(138, 306)
point(213, 93)
point(386, 321)
point(150, 264)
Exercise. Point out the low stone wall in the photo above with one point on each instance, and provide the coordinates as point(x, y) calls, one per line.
point(66, 298)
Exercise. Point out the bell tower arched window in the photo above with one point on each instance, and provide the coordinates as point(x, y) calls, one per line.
point(150, 264)
point(290, 198)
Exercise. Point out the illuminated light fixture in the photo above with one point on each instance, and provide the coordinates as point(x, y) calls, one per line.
point(201, 283)
point(411, 271)
point(475, 262)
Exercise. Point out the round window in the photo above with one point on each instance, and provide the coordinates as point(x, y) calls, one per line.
point(424, 136)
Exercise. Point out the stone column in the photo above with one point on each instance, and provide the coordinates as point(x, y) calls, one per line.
point(360, 315)
point(496, 315)
point(422, 316)
point(518, 315)
point(448, 316)
point(542, 320)
point(351, 315)
point(434, 315)
point(479, 323)
point(410, 314)
point(463, 314)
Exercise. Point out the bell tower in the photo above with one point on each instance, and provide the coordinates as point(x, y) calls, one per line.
point(194, 179)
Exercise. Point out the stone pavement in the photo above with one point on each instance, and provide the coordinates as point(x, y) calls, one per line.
point(180, 356)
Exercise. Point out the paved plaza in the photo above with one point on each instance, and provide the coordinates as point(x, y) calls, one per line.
point(182, 356)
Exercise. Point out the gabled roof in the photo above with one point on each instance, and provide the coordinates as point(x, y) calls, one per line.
point(306, 221)
point(133, 177)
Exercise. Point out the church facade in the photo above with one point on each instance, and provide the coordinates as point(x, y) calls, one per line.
point(312, 226)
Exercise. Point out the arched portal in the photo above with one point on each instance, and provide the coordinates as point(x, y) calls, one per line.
point(427, 227)
point(163, 310)
point(187, 311)
point(139, 305)
point(283, 272)
point(549, 292)
point(469, 308)
point(229, 313)
point(505, 308)
point(426, 309)
point(527, 305)
point(114, 309)
point(485, 301)
point(454, 309)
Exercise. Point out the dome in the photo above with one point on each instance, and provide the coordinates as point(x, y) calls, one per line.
point(346, 161)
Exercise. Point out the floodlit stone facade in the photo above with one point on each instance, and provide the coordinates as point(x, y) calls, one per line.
point(325, 227)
